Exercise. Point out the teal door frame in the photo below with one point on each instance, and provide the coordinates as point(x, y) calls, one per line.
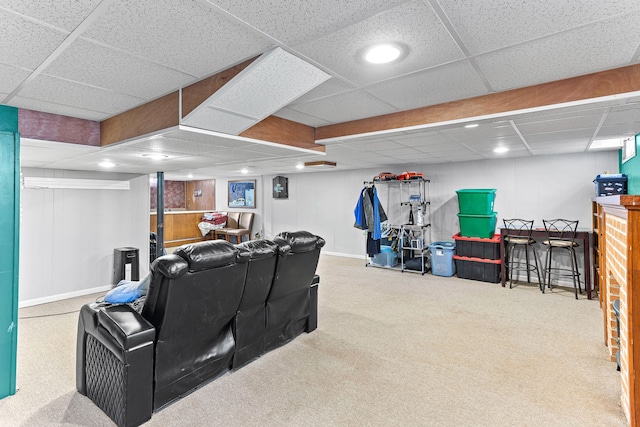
point(9, 246)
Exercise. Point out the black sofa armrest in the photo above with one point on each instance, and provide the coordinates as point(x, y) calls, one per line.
point(114, 362)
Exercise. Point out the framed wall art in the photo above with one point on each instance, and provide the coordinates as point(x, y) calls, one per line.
point(242, 194)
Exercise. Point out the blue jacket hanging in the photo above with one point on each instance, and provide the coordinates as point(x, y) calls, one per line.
point(369, 213)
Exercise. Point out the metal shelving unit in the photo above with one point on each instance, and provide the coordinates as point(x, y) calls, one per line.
point(414, 239)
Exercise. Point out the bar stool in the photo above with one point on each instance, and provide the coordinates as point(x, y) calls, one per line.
point(561, 234)
point(519, 235)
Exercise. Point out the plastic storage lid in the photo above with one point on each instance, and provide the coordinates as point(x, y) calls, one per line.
point(477, 190)
point(443, 245)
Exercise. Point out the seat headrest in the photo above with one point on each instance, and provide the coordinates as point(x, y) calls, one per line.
point(210, 254)
point(259, 249)
point(298, 241)
point(171, 266)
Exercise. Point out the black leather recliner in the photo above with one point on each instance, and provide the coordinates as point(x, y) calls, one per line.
point(209, 309)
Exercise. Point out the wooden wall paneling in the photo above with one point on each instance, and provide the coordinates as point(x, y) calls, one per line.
point(54, 127)
point(206, 201)
point(153, 116)
point(196, 93)
point(605, 83)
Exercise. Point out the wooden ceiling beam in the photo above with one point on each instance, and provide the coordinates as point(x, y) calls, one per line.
point(604, 83)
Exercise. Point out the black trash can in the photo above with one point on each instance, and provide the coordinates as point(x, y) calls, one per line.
point(122, 257)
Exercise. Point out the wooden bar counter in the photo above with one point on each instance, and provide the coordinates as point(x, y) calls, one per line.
point(180, 227)
point(619, 274)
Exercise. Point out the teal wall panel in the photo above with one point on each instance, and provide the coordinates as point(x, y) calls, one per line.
point(632, 169)
point(9, 246)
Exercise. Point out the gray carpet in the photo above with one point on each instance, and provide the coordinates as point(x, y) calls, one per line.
point(391, 349)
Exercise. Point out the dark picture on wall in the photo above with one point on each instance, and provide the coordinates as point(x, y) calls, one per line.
point(242, 194)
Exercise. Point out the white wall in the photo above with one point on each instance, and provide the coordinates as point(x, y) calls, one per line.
point(537, 187)
point(67, 237)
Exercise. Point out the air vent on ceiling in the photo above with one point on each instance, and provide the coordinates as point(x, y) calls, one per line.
point(267, 85)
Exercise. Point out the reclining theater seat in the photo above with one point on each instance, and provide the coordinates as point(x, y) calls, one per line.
point(211, 307)
point(250, 322)
point(192, 312)
point(130, 365)
point(292, 301)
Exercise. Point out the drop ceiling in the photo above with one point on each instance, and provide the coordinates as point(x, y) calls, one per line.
point(94, 59)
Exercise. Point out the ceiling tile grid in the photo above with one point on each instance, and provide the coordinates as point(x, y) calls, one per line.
point(56, 108)
point(305, 19)
point(345, 107)
point(187, 36)
point(65, 14)
point(339, 51)
point(115, 70)
point(65, 92)
point(11, 78)
point(430, 87)
point(490, 25)
point(25, 43)
point(600, 46)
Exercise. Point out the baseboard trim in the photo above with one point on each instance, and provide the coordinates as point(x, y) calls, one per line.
point(59, 297)
point(343, 255)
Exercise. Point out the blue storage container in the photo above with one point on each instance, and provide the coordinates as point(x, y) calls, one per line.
point(442, 258)
point(386, 257)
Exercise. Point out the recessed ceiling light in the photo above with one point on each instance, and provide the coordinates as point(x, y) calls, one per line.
point(106, 164)
point(156, 156)
point(245, 171)
point(501, 150)
point(383, 53)
point(299, 166)
point(472, 125)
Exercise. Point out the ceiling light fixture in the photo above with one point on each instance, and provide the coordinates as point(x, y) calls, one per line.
point(384, 53)
point(106, 164)
point(320, 164)
point(472, 125)
point(156, 156)
point(244, 171)
point(299, 166)
point(500, 150)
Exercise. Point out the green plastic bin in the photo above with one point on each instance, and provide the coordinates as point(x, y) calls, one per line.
point(476, 201)
point(483, 226)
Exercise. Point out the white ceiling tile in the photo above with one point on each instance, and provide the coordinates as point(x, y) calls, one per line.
point(24, 43)
point(55, 108)
point(430, 87)
point(583, 122)
point(187, 36)
point(330, 87)
point(67, 14)
point(297, 116)
point(11, 78)
point(304, 19)
point(265, 86)
point(342, 107)
point(586, 49)
point(618, 130)
point(112, 69)
point(623, 115)
point(485, 26)
point(339, 51)
point(64, 92)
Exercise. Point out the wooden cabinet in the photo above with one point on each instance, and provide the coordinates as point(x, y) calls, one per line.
point(180, 227)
